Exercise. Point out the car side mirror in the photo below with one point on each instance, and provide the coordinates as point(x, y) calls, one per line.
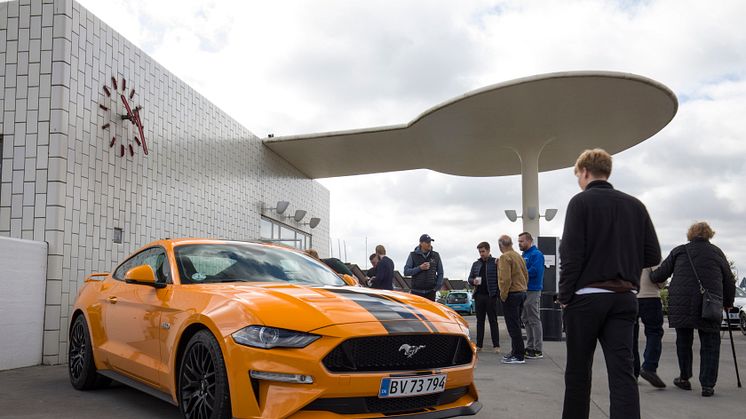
point(349, 280)
point(142, 275)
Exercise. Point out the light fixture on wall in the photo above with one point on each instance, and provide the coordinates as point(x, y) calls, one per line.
point(531, 214)
point(298, 216)
point(313, 222)
point(281, 207)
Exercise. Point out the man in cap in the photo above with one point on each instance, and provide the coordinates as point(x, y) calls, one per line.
point(425, 268)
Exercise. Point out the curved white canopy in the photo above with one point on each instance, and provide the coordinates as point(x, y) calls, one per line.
point(483, 132)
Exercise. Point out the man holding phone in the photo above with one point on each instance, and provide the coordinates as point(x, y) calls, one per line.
point(483, 278)
point(425, 268)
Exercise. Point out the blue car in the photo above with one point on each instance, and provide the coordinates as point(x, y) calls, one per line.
point(460, 301)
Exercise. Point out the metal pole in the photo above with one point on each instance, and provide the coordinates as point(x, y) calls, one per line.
point(733, 348)
point(366, 253)
point(345, 242)
point(339, 248)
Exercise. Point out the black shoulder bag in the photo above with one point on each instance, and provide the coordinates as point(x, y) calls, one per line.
point(712, 305)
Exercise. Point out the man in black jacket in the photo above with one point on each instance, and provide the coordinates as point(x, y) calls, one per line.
point(483, 277)
point(607, 240)
point(384, 271)
point(425, 268)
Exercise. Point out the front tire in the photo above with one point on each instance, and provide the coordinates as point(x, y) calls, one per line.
point(203, 382)
point(81, 366)
point(742, 322)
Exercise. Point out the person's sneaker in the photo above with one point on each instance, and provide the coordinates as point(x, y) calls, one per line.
point(652, 378)
point(682, 383)
point(513, 360)
point(531, 354)
point(497, 350)
point(708, 391)
point(508, 355)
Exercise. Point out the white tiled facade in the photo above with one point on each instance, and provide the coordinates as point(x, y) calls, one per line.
point(205, 174)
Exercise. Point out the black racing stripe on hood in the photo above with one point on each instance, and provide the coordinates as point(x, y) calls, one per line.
point(415, 311)
point(392, 314)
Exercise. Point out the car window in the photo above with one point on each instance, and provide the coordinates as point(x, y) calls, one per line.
point(155, 257)
point(457, 298)
point(740, 293)
point(249, 262)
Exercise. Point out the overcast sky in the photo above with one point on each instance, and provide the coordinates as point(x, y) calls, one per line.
point(296, 67)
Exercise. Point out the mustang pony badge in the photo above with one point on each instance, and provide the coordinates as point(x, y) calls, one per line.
point(410, 350)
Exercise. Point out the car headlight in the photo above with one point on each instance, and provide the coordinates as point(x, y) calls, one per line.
point(271, 337)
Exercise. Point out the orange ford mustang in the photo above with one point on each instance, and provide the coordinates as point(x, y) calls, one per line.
point(234, 329)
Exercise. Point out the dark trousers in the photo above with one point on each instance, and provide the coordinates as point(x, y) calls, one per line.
point(650, 311)
point(430, 295)
point(709, 355)
point(487, 306)
point(609, 319)
point(512, 309)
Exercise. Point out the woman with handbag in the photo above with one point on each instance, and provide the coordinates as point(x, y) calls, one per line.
point(701, 286)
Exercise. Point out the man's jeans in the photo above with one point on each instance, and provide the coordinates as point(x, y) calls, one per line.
point(650, 311)
point(532, 319)
point(512, 307)
point(709, 355)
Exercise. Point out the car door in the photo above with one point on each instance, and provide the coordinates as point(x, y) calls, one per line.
point(132, 319)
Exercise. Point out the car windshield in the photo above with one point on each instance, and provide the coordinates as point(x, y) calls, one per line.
point(455, 298)
point(740, 293)
point(249, 262)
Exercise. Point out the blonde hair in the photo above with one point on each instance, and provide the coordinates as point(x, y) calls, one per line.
point(597, 162)
point(380, 250)
point(700, 230)
point(313, 253)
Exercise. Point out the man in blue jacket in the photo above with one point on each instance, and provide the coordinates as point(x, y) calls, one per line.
point(531, 315)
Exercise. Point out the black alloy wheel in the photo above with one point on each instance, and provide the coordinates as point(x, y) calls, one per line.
point(203, 382)
point(81, 367)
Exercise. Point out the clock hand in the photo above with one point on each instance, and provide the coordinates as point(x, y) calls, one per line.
point(127, 106)
point(138, 122)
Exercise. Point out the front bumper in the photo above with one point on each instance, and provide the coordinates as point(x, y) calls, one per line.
point(334, 395)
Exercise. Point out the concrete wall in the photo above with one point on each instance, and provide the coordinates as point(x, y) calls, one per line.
point(24, 265)
point(205, 175)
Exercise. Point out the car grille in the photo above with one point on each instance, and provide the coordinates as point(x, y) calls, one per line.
point(358, 405)
point(388, 353)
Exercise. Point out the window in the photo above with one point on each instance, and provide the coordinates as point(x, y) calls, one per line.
point(277, 232)
point(155, 257)
point(248, 262)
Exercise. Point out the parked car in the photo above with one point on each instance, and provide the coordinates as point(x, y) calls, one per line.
point(742, 316)
point(233, 329)
point(460, 301)
point(733, 317)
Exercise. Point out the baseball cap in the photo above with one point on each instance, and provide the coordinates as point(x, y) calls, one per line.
point(426, 238)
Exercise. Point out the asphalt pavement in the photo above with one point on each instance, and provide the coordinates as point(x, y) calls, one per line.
point(532, 390)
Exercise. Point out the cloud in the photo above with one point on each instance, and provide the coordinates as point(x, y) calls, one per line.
point(300, 67)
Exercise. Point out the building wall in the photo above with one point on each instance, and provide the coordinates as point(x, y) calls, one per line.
point(205, 174)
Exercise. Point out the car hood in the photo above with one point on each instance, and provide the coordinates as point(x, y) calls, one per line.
point(304, 308)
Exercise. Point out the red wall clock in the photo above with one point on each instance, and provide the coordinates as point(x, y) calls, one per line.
point(117, 103)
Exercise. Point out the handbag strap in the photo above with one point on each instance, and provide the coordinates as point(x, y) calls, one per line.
point(701, 288)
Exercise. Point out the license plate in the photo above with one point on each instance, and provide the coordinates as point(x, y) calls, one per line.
point(412, 386)
point(733, 316)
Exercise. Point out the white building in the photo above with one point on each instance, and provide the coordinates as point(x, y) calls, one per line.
point(75, 173)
